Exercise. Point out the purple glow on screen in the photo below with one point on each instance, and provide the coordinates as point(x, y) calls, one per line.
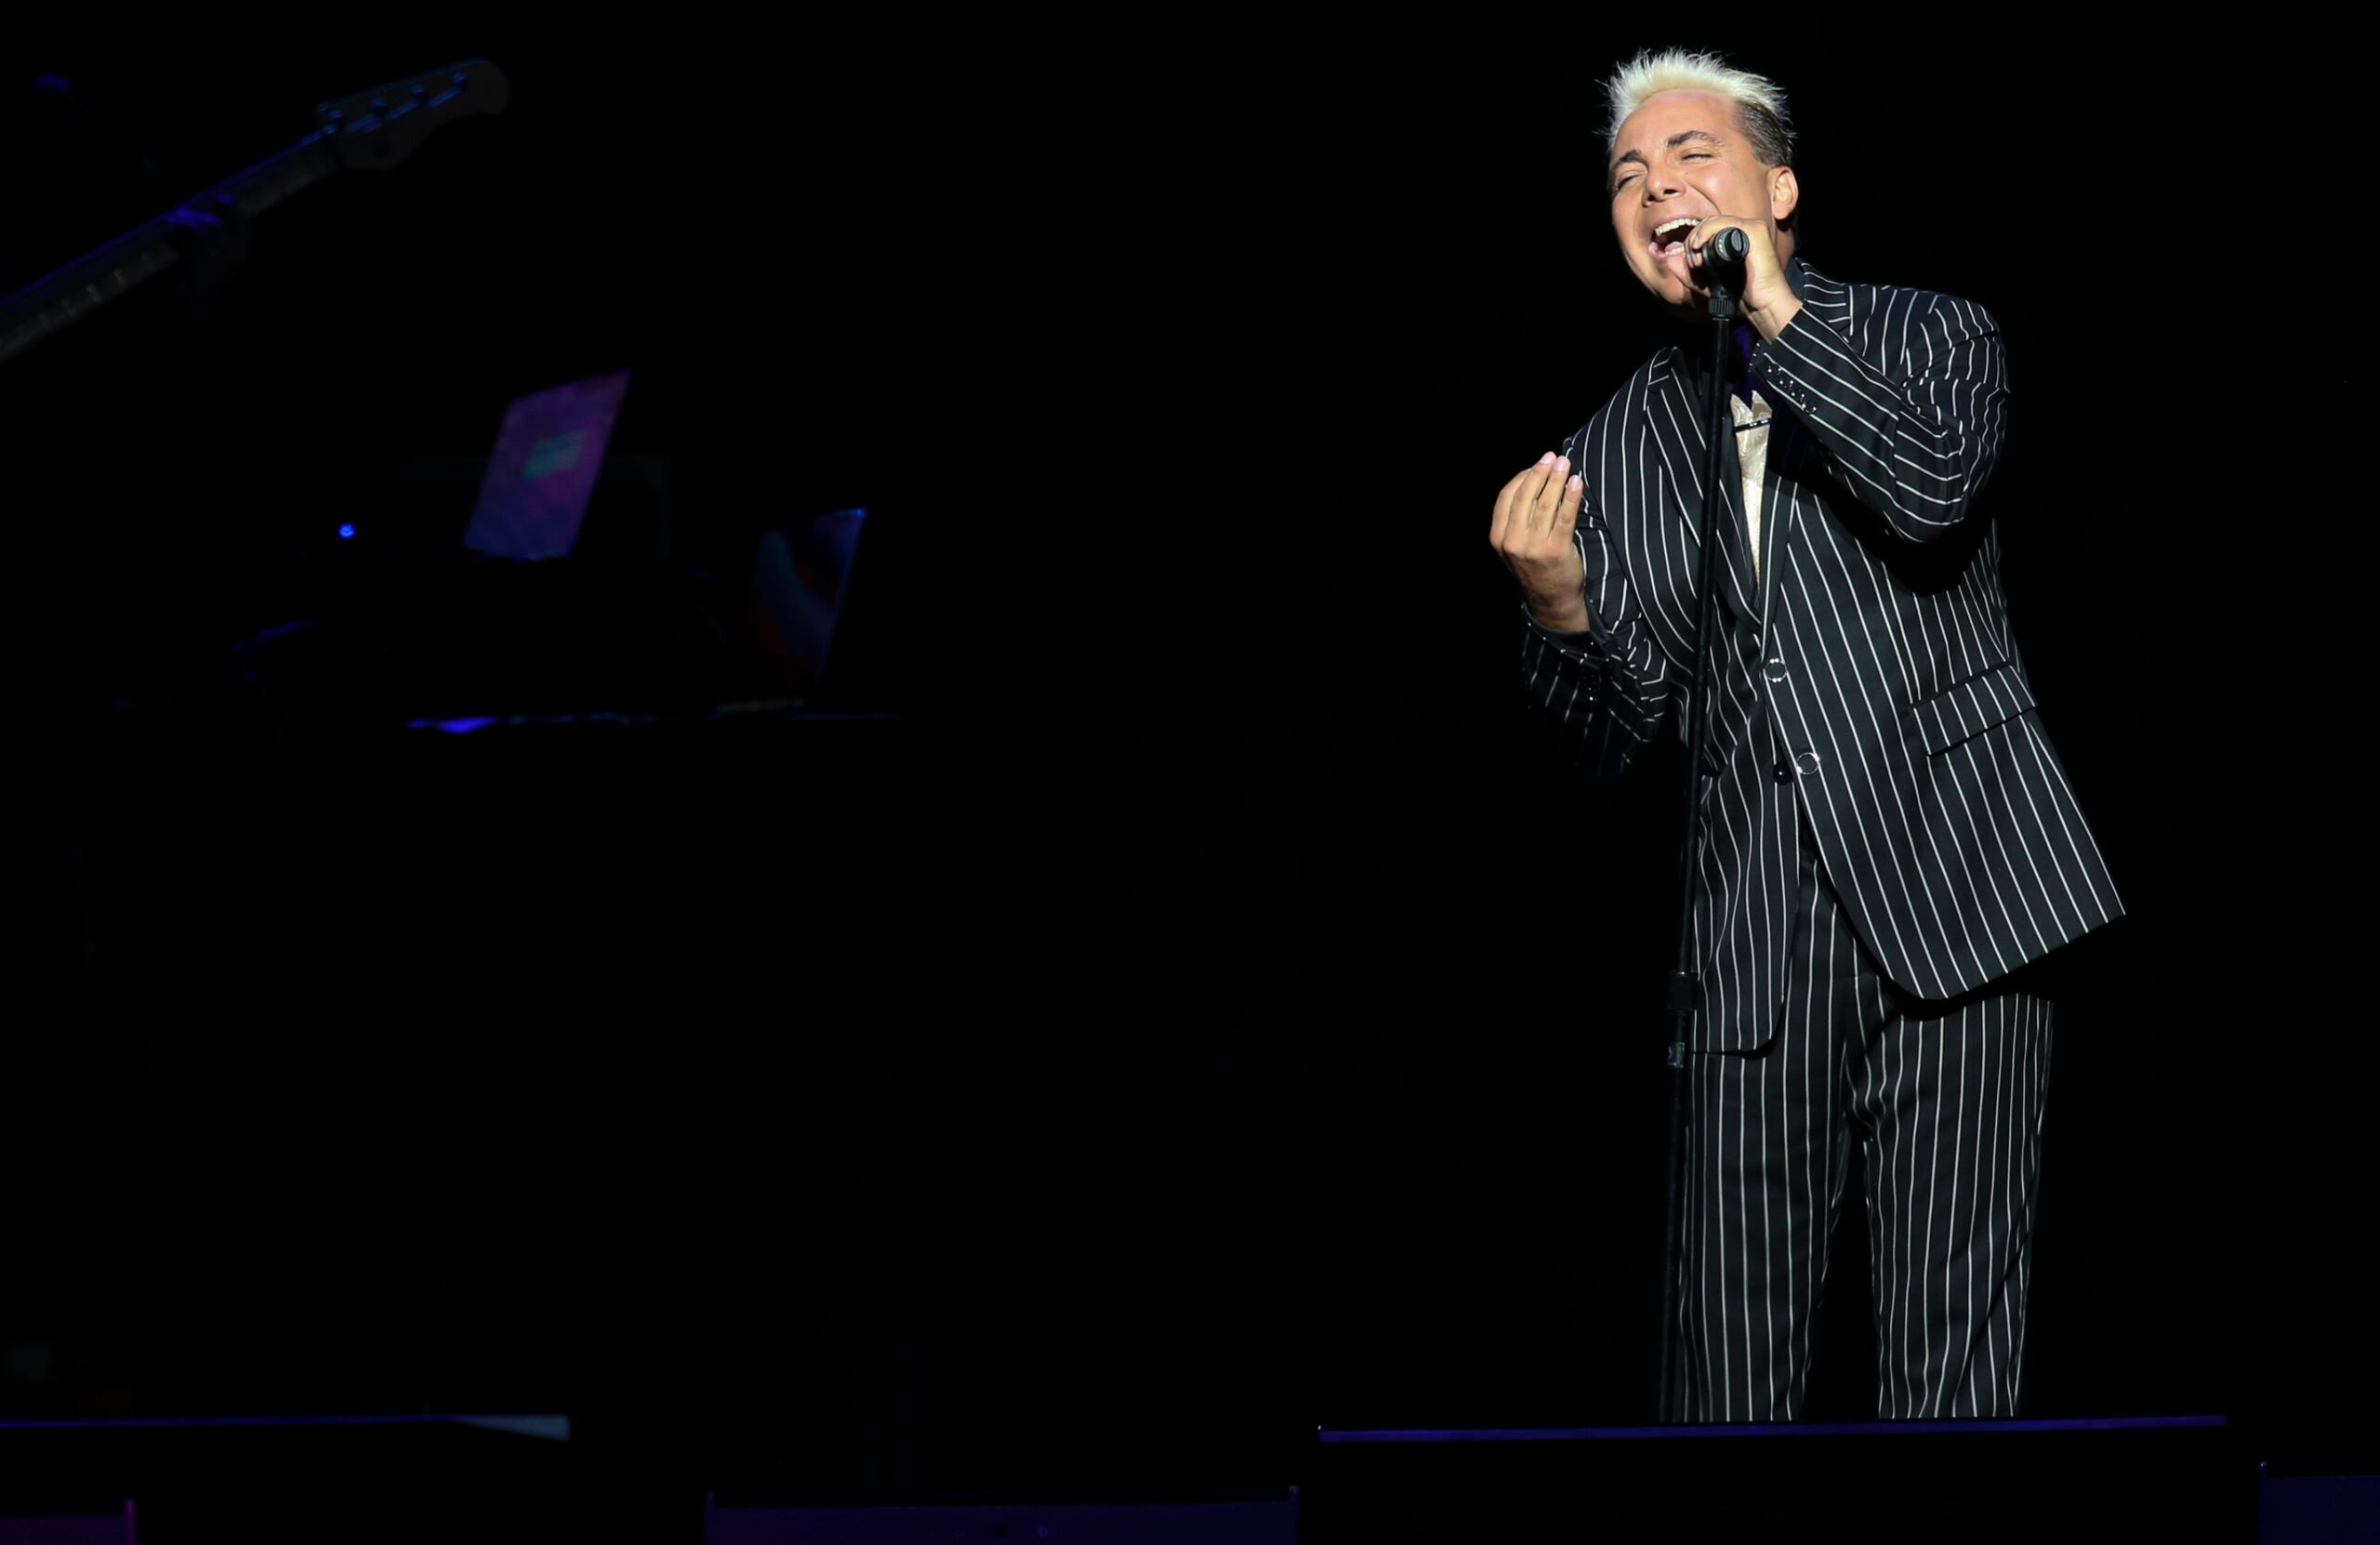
point(452, 726)
point(542, 472)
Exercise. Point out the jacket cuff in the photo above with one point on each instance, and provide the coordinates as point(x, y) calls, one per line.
point(1596, 640)
point(1786, 364)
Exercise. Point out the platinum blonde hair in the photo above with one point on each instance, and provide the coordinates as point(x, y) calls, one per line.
point(1760, 102)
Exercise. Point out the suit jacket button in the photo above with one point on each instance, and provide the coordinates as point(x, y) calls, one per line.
point(1784, 771)
point(1805, 763)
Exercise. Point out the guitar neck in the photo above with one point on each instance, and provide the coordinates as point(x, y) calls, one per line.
point(57, 300)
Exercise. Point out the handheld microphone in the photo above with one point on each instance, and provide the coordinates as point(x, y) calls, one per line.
point(1723, 268)
point(1726, 250)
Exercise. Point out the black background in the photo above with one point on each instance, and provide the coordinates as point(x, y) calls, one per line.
point(1209, 1013)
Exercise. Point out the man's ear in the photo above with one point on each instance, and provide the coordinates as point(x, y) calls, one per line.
point(1784, 193)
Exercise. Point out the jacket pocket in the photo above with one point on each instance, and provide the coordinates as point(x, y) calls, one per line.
point(1977, 704)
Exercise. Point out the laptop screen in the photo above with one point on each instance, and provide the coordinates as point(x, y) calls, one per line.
point(800, 570)
point(542, 473)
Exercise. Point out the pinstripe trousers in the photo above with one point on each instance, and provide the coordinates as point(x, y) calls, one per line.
point(1944, 1099)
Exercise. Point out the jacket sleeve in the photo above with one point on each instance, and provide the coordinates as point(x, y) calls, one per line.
point(1602, 693)
point(1913, 422)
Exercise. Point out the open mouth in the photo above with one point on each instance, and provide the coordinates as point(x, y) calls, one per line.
point(1670, 235)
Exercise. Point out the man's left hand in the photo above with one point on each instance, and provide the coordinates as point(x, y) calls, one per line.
point(1768, 301)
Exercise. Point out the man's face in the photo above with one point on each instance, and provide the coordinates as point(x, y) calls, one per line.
point(1683, 157)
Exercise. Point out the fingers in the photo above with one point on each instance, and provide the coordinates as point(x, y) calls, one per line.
point(1755, 236)
point(1701, 236)
point(1560, 501)
point(1545, 508)
point(1514, 497)
point(1549, 495)
point(1538, 505)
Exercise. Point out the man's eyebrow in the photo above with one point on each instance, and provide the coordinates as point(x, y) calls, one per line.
point(1672, 142)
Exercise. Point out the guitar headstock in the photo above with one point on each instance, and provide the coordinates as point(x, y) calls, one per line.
point(376, 130)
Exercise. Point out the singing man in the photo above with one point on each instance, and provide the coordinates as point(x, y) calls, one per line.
point(1889, 848)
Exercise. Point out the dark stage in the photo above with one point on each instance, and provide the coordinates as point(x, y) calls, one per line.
point(1153, 1028)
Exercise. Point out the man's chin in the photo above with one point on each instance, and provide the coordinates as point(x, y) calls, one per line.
point(1694, 313)
point(1678, 295)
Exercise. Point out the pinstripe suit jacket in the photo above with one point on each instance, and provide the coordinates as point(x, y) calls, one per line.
point(1867, 680)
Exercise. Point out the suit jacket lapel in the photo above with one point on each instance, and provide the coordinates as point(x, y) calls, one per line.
point(1685, 433)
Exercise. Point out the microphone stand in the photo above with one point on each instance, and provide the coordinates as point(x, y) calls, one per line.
point(1685, 987)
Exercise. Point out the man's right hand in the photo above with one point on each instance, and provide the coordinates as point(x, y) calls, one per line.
point(1535, 516)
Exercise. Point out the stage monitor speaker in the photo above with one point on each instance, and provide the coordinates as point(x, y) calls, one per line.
point(2301, 1509)
point(1267, 1519)
point(106, 1527)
